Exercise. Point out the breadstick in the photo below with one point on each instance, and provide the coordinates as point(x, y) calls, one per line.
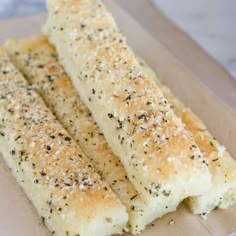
point(54, 173)
point(222, 166)
point(159, 154)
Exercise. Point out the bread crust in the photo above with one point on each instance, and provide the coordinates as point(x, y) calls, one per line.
point(136, 119)
point(222, 166)
point(8, 70)
point(58, 178)
point(37, 60)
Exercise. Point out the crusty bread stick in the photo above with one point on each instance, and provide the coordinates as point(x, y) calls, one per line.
point(160, 156)
point(50, 167)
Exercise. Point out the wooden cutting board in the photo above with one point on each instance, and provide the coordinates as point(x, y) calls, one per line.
point(194, 77)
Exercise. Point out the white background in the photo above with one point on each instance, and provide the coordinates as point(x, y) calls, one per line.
point(212, 23)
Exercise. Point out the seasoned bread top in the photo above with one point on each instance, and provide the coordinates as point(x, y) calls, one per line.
point(45, 74)
point(37, 59)
point(218, 158)
point(62, 174)
point(45, 145)
point(7, 69)
point(132, 112)
point(221, 165)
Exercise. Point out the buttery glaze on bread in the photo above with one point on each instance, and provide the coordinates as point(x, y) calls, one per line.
point(37, 60)
point(160, 156)
point(222, 166)
point(50, 167)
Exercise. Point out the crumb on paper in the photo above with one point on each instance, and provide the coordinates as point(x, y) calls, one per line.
point(221, 150)
point(171, 222)
point(204, 216)
point(150, 226)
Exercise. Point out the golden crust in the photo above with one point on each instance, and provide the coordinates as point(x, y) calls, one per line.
point(131, 110)
point(51, 168)
point(222, 166)
point(37, 60)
